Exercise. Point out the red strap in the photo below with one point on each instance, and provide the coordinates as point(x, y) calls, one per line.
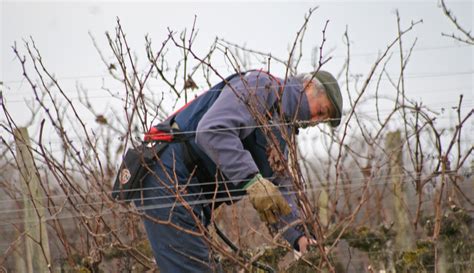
point(156, 135)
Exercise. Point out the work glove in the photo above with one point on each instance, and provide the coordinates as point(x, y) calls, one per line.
point(266, 199)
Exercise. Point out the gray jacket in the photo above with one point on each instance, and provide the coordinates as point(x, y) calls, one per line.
point(231, 119)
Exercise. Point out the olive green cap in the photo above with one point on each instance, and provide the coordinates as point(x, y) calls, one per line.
point(333, 92)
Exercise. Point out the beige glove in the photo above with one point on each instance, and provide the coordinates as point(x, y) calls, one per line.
point(266, 199)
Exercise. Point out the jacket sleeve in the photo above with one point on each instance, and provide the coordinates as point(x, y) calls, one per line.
point(292, 233)
point(221, 130)
point(229, 120)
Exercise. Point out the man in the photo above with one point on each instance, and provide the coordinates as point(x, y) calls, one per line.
point(223, 155)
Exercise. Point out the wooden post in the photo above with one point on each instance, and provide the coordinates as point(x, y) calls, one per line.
point(405, 238)
point(18, 255)
point(36, 238)
point(440, 247)
point(323, 206)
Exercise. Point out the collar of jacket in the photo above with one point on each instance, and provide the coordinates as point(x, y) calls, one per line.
point(294, 100)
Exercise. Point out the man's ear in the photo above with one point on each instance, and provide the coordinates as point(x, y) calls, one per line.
point(309, 90)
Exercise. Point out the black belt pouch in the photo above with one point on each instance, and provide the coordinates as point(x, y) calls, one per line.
point(134, 168)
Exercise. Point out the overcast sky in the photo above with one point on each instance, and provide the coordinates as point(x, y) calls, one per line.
point(439, 71)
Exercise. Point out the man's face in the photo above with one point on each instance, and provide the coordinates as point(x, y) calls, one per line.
point(320, 106)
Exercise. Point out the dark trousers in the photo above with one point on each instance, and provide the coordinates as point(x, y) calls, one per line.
point(175, 250)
